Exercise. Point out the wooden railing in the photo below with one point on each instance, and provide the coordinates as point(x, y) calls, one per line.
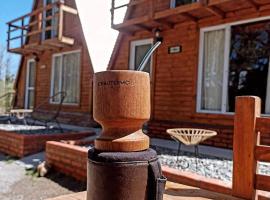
point(249, 127)
point(150, 4)
point(35, 24)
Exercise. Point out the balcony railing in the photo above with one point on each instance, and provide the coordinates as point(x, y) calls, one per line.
point(153, 13)
point(39, 30)
point(150, 14)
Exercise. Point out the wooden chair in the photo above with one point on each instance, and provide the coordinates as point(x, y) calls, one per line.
point(37, 116)
point(8, 100)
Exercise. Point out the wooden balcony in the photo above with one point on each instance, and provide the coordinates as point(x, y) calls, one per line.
point(39, 30)
point(150, 14)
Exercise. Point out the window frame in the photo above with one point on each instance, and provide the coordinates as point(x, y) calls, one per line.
point(27, 88)
point(133, 46)
point(173, 3)
point(227, 28)
point(61, 71)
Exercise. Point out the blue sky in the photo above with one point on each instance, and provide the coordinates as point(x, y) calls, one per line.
point(95, 17)
point(11, 9)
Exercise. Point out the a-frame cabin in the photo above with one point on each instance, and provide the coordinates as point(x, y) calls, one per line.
point(212, 51)
point(55, 59)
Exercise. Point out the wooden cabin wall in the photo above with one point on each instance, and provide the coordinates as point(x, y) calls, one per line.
point(175, 79)
point(74, 114)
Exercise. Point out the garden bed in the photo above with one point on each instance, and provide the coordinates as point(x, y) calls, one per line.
point(20, 140)
point(207, 166)
point(69, 157)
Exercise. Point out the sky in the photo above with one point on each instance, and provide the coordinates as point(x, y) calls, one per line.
point(12, 9)
point(95, 17)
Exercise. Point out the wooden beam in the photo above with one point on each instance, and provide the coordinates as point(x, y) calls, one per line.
point(130, 22)
point(177, 10)
point(248, 108)
point(190, 17)
point(262, 153)
point(253, 4)
point(262, 182)
point(216, 11)
point(140, 26)
point(218, 2)
point(164, 22)
point(263, 125)
point(69, 9)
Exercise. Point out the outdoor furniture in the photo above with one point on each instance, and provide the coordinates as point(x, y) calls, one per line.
point(47, 118)
point(190, 137)
point(21, 114)
point(6, 103)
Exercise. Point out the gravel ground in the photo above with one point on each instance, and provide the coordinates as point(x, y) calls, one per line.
point(18, 184)
point(31, 130)
point(208, 166)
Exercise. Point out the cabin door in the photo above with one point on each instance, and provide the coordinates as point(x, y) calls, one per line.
point(30, 84)
point(51, 22)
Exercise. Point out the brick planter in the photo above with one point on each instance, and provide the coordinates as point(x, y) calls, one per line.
point(68, 159)
point(20, 145)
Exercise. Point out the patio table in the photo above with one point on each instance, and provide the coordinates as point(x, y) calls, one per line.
point(190, 137)
point(21, 114)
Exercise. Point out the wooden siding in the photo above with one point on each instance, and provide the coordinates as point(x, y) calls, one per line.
point(175, 78)
point(79, 114)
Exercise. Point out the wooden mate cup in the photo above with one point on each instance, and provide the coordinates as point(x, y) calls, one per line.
point(121, 106)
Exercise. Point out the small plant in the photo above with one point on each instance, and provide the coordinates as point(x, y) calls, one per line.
point(10, 159)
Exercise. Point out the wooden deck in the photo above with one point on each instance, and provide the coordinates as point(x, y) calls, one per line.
point(173, 192)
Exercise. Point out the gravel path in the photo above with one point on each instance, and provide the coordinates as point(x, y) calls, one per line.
point(18, 184)
point(208, 166)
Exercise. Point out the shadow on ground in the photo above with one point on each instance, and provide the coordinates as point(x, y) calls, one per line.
point(66, 182)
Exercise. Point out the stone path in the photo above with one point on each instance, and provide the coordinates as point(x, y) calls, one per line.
point(18, 184)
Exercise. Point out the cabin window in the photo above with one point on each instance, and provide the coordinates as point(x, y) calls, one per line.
point(175, 3)
point(47, 23)
point(234, 61)
point(138, 50)
point(66, 77)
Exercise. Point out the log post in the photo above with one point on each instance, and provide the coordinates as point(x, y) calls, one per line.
point(248, 108)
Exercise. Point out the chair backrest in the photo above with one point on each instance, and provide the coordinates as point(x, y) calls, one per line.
point(62, 96)
point(6, 101)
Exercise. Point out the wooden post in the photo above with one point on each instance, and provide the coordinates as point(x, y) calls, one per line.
point(112, 13)
point(22, 32)
point(60, 22)
point(40, 25)
point(248, 108)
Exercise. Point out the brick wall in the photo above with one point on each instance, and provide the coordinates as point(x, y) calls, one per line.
point(68, 159)
point(20, 145)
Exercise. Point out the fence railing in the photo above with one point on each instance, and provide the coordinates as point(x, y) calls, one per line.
point(150, 4)
point(36, 24)
point(249, 126)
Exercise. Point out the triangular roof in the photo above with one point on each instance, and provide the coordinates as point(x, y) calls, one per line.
point(34, 6)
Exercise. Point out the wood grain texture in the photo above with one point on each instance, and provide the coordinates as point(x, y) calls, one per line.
point(244, 143)
point(121, 106)
point(262, 153)
point(263, 182)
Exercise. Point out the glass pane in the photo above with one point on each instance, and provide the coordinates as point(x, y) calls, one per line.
point(31, 98)
point(32, 74)
point(71, 77)
point(249, 63)
point(140, 52)
point(53, 22)
point(184, 2)
point(56, 78)
point(212, 76)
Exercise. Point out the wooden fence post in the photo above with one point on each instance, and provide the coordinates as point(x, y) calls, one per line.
point(248, 108)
